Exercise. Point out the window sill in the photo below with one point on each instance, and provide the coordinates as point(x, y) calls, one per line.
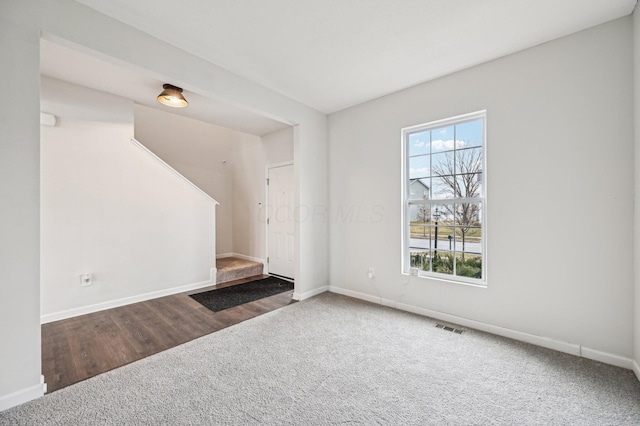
point(445, 279)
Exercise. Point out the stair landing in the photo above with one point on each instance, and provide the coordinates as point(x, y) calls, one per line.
point(234, 268)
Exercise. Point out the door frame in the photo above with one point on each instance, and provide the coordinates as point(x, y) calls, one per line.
point(266, 214)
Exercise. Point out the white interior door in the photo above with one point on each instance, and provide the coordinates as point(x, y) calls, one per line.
point(280, 224)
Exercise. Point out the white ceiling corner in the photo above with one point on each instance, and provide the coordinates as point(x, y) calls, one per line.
point(332, 54)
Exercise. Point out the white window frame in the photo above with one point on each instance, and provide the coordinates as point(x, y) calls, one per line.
point(406, 202)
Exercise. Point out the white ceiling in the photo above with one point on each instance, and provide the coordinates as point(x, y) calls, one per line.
point(70, 65)
point(332, 54)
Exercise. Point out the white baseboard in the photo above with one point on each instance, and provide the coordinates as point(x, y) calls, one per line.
point(310, 293)
point(361, 296)
point(606, 358)
point(241, 256)
point(223, 255)
point(56, 316)
point(636, 369)
point(544, 342)
point(22, 396)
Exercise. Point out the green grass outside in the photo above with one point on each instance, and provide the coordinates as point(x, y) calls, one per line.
point(466, 266)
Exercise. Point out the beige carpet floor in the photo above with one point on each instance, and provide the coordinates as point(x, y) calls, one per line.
point(332, 360)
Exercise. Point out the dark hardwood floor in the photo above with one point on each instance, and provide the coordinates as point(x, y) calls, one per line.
point(77, 348)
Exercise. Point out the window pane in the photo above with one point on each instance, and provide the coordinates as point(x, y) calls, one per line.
point(420, 259)
point(420, 216)
point(419, 231)
point(471, 185)
point(442, 164)
point(420, 238)
point(442, 226)
point(419, 143)
point(468, 230)
point(469, 265)
point(413, 208)
point(468, 185)
point(443, 262)
point(468, 239)
point(419, 189)
point(442, 187)
point(446, 238)
point(469, 160)
point(415, 259)
point(442, 139)
point(443, 214)
point(470, 134)
point(426, 262)
point(419, 167)
point(419, 213)
point(468, 214)
point(442, 242)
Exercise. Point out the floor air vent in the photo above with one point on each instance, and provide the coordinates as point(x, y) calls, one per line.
point(449, 328)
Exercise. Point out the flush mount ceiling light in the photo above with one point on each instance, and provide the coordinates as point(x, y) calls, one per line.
point(172, 96)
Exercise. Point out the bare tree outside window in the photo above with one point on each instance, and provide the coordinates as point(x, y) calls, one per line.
point(424, 216)
point(460, 173)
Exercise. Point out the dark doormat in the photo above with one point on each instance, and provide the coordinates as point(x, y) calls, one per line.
point(228, 297)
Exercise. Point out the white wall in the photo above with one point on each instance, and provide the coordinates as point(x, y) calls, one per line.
point(19, 215)
point(559, 191)
point(249, 164)
point(636, 263)
point(311, 158)
point(23, 21)
point(278, 146)
point(197, 150)
point(85, 29)
point(110, 209)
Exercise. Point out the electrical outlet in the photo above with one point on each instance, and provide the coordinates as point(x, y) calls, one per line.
point(86, 280)
point(371, 273)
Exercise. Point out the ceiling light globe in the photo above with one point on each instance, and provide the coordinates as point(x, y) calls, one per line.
point(172, 96)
